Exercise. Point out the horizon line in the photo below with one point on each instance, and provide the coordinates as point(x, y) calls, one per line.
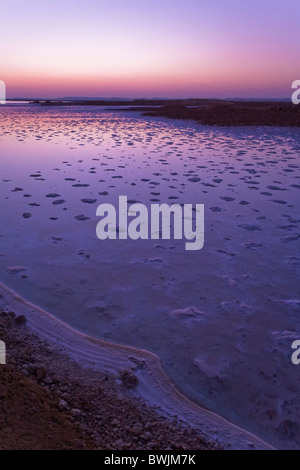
point(95, 98)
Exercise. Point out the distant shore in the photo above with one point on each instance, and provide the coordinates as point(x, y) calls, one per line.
point(235, 114)
point(204, 111)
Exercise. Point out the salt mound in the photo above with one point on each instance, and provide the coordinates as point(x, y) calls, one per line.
point(189, 311)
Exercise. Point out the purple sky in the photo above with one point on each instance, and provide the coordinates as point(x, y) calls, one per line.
point(161, 48)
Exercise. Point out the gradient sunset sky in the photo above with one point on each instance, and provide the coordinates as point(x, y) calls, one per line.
point(149, 48)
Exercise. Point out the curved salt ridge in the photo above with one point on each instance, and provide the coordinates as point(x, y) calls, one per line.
point(154, 387)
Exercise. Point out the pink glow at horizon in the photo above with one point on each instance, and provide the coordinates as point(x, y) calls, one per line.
point(191, 48)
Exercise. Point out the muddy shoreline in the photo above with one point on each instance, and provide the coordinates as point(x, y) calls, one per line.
point(88, 381)
point(235, 114)
point(211, 112)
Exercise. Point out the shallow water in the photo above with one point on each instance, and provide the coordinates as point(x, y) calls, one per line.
point(232, 351)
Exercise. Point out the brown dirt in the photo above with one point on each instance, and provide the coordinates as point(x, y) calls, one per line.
point(235, 114)
point(212, 112)
point(49, 402)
